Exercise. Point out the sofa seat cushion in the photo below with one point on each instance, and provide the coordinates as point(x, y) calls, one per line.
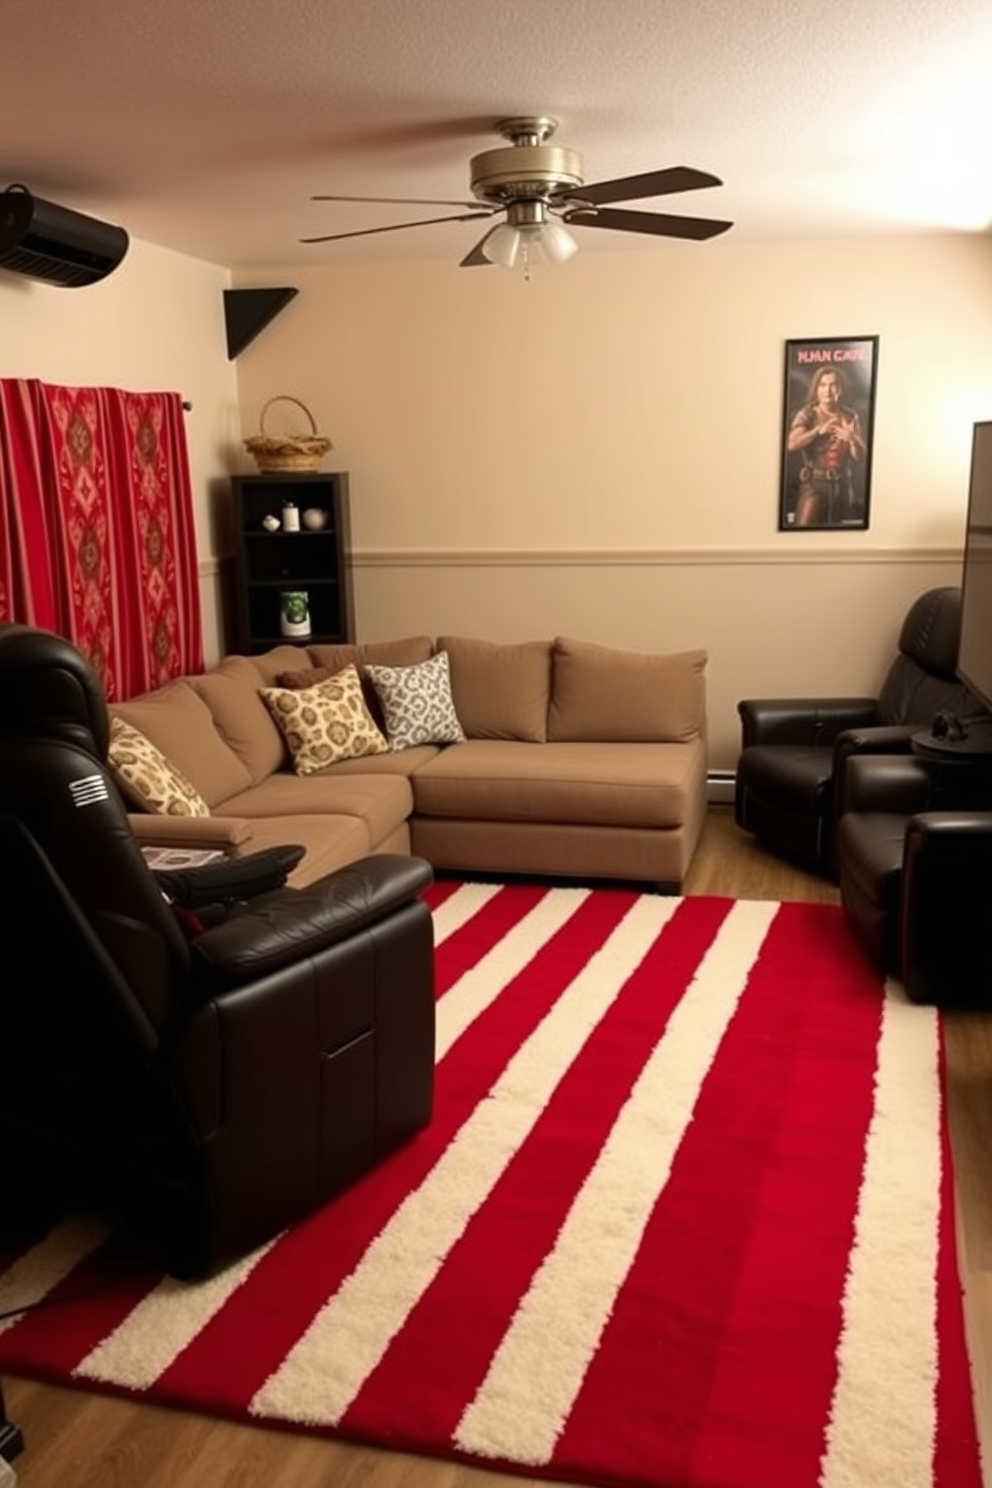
point(179, 723)
point(396, 762)
point(500, 691)
point(381, 802)
point(331, 841)
point(636, 785)
point(628, 697)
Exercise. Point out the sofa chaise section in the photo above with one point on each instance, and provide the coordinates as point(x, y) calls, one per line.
point(580, 809)
point(580, 761)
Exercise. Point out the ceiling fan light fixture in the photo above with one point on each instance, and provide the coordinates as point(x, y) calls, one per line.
point(503, 244)
point(556, 242)
point(534, 241)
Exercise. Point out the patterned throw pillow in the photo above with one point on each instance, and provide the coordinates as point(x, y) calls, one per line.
point(417, 703)
point(325, 723)
point(147, 778)
point(310, 676)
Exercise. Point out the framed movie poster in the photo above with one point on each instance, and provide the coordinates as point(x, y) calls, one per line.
point(827, 433)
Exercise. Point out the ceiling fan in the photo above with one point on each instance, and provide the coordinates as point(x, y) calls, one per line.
point(540, 188)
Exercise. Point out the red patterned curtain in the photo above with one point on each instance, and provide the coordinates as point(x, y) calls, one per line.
point(96, 528)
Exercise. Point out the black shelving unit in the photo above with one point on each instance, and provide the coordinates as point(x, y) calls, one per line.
point(269, 562)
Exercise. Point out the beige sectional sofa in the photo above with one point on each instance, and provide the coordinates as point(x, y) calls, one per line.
point(572, 759)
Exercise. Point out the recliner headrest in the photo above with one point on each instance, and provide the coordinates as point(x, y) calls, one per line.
point(49, 690)
point(931, 630)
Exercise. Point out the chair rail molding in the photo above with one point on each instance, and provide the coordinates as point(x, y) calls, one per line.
point(778, 556)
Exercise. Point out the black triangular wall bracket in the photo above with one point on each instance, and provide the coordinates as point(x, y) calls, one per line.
point(248, 311)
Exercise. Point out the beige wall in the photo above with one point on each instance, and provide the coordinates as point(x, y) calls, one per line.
point(596, 452)
point(155, 324)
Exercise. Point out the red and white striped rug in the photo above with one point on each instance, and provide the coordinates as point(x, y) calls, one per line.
point(683, 1218)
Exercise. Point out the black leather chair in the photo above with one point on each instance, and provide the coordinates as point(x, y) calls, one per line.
point(793, 750)
point(216, 1088)
point(914, 862)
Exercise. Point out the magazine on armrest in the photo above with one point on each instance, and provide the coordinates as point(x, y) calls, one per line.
point(171, 859)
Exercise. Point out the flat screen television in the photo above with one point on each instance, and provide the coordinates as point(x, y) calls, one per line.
point(975, 647)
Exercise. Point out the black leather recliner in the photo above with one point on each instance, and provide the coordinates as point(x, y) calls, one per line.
point(793, 750)
point(914, 862)
point(218, 1087)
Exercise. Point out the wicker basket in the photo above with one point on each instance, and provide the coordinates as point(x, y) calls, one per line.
point(278, 452)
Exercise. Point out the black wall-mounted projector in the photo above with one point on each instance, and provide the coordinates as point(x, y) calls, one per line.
point(55, 244)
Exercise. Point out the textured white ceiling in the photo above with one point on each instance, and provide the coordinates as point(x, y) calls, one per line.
point(206, 125)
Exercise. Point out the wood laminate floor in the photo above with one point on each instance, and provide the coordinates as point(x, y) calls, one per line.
point(78, 1440)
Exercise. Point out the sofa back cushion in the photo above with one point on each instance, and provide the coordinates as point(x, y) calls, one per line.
point(613, 696)
point(500, 691)
point(328, 660)
point(280, 659)
point(179, 723)
point(232, 692)
point(407, 651)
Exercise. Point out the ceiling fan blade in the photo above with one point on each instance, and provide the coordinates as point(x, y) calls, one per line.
point(367, 232)
point(633, 188)
point(476, 258)
point(399, 201)
point(660, 224)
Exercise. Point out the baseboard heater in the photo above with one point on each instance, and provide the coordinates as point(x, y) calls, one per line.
point(720, 787)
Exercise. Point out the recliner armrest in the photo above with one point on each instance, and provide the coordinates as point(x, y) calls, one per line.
point(898, 784)
point(945, 951)
point(882, 738)
point(290, 924)
point(809, 721)
point(957, 832)
point(879, 738)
